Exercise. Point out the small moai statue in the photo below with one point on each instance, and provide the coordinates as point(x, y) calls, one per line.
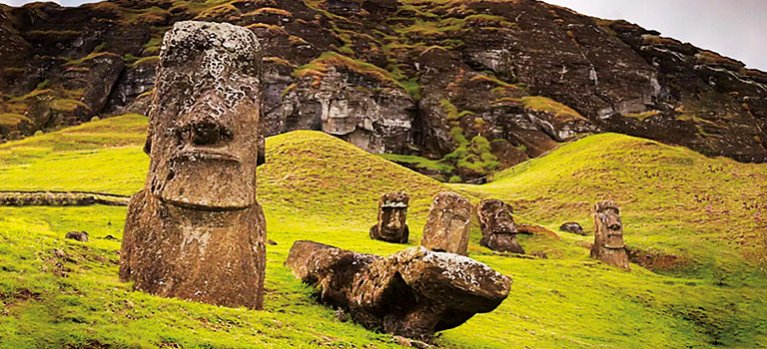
point(608, 239)
point(447, 228)
point(392, 219)
point(498, 230)
point(196, 231)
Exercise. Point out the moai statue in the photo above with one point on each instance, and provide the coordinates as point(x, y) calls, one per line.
point(447, 228)
point(498, 230)
point(196, 231)
point(392, 219)
point(608, 239)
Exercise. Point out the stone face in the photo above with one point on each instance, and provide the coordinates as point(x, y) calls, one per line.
point(497, 224)
point(447, 228)
point(392, 218)
point(196, 231)
point(572, 227)
point(413, 293)
point(608, 239)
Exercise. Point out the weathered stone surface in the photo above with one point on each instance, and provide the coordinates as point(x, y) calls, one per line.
point(81, 236)
point(572, 227)
point(413, 293)
point(196, 231)
point(498, 229)
point(608, 239)
point(447, 228)
point(392, 218)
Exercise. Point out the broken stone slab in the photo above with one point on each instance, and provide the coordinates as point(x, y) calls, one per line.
point(608, 239)
point(413, 293)
point(499, 233)
point(392, 218)
point(196, 231)
point(447, 228)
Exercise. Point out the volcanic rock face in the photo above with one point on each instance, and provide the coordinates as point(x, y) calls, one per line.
point(447, 228)
point(608, 239)
point(478, 85)
point(196, 231)
point(498, 230)
point(413, 293)
point(392, 218)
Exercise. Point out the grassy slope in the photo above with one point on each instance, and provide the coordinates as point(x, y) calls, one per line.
point(316, 187)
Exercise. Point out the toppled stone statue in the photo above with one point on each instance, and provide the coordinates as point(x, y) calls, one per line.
point(608, 239)
point(413, 293)
point(196, 231)
point(392, 219)
point(498, 230)
point(572, 227)
point(447, 228)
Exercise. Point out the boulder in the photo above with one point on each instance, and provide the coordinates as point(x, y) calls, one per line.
point(196, 231)
point(498, 230)
point(392, 219)
point(608, 239)
point(413, 293)
point(81, 236)
point(572, 227)
point(447, 228)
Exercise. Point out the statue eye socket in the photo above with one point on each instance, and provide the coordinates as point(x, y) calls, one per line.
point(615, 227)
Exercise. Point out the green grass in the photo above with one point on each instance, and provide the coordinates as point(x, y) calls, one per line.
point(317, 187)
point(547, 105)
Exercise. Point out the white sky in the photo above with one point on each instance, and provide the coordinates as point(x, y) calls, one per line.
point(734, 28)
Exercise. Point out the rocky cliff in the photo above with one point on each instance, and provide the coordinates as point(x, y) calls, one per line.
point(462, 88)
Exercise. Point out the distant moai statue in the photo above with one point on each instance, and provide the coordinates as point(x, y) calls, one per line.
point(392, 218)
point(608, 239)
point(196, 231)
point(447, 228)
point(498, 230)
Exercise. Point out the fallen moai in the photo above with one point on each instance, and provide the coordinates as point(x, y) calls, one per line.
point(413, 293)
point(196, 231)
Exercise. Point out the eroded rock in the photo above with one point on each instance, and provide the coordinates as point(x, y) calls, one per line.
point(499, 233)
point(447, 228)
point(392, 218)
point(413, 293)
point(196, 231)
point(608, 239)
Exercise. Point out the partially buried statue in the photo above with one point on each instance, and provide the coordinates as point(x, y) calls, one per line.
point(196, 231)
point(413, 293)
point(498, 230)
point(392, 218)
point(447, 228)
point(608, 239)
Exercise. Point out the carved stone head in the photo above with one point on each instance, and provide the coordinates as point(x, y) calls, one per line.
point(447, 228)
point(204, 121)
point(609, 227)
point(495, 217)
point(392, 218)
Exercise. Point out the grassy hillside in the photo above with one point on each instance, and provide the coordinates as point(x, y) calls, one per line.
point(58, 293)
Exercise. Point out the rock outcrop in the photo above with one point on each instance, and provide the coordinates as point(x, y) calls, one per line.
point(392, 218)
point(608, 239)
point(413, 293)
point(476, 86)
point(498, 230)
point(447, 228)
point(196, 231)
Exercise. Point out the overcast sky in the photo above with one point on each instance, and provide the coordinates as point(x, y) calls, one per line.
point(734, 28)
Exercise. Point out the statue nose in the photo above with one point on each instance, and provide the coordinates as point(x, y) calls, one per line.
point(207, 133)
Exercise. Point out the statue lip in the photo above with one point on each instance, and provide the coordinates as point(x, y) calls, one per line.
point(614, 247)
point(205, 154)
point(192, 206)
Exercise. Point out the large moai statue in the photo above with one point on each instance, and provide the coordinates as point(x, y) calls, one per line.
point(498, 230)
point(447, 228)
point(392, 219)
point(608, 239)
point(196, 231)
